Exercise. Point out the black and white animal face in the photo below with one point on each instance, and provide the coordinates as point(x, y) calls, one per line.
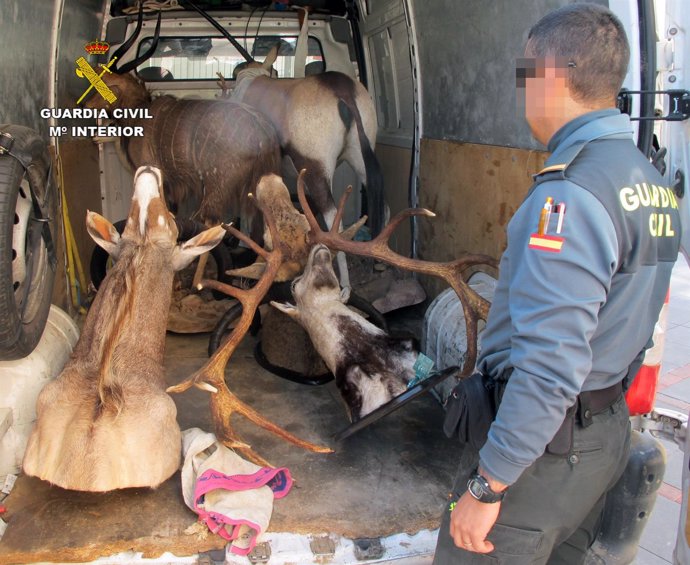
point(370, 367)
point(318, 282)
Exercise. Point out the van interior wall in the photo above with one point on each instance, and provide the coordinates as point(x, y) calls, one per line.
point(80, 24)
point(474, 190)
point(476, 155)
point(385, 36)
point(28, 31)
point(25, 28)
point(395, 163)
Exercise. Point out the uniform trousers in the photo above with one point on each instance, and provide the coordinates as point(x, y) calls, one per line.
point(552, 514)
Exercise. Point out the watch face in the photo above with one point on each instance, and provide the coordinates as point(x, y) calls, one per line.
point(475, 488)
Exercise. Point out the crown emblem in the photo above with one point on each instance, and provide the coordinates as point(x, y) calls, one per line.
point(96, 47)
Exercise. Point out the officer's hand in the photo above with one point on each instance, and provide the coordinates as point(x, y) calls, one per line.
point(470, 523)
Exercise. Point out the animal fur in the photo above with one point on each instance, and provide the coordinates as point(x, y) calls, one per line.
point(106, 421)
point(212, 152)
point(321, 120)
point(370, 367)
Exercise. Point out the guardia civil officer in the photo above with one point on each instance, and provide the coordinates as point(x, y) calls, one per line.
point(582, 281)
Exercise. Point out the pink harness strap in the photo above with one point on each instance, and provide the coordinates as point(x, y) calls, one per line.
point(278, 480)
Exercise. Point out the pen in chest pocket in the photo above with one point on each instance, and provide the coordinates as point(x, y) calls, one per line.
point(544, 215)
point(561, 214)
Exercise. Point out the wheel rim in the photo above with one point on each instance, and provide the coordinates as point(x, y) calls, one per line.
point(28, 265)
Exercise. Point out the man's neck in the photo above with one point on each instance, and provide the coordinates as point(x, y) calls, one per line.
point(545, 127)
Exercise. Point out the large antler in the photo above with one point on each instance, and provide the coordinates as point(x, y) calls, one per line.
point(474, 306)
point(211, 377)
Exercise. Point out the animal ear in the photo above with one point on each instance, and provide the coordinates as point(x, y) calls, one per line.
point(270, 58)
point(103, 233)
point(286, 308)
point(184, 254)
point(345, 294)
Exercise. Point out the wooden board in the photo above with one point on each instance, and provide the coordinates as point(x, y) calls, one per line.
point(474, 190)
point(47, 523)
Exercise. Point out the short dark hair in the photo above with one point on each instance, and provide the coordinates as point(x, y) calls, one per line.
point(594, 42)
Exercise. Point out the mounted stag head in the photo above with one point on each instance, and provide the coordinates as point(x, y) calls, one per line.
point(211, 377)
point(273, 195)
point(474, 306)
point(370, 367)
point(106, 421)
point(321, 120)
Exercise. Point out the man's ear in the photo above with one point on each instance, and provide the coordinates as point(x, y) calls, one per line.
point(185, 253)
point(286, 308)
point(103, 233)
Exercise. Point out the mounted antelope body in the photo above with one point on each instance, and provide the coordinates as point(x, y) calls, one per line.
point(106, 421)
point(321, 120)
point(212, 152)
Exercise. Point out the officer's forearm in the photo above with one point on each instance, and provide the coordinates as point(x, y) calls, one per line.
point(495, 484)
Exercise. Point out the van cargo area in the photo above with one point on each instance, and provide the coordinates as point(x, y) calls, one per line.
point(390, 477)
point(448, 137)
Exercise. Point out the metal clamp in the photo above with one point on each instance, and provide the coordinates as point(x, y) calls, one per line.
point(322, 546)
point(679, 104)
point(368, 549)
point(663, 422)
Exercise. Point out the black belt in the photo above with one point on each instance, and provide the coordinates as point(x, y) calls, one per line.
point(587, 404)
point(593, 402)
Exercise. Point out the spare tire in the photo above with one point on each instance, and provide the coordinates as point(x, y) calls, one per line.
point(28, 208)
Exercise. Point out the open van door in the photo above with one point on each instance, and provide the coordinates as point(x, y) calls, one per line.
point(673, 130)
point(673, 134)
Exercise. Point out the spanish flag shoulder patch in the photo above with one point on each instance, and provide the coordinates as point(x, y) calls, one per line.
point(544, 242)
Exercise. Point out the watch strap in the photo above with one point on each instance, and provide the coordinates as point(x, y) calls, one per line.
point(479, 488)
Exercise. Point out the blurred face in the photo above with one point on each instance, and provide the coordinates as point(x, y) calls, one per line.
point(542, 90)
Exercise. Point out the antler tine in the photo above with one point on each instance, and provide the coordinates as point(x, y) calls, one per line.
point(225, 288)
point(211, 377)
point(340, 210)
point(248, 240)
point(306, 209)
point(395, 221)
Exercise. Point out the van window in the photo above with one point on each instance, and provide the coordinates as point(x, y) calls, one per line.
point(200, 58)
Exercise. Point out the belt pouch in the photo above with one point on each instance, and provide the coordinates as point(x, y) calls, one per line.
point(562, 442)
point(470, 410)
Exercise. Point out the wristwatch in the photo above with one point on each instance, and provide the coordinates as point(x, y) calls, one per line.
point(479, 488)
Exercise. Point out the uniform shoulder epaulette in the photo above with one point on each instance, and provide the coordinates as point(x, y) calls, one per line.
point(559, 168)
point(565, 157)
point(552, 169)
point(544, 173)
